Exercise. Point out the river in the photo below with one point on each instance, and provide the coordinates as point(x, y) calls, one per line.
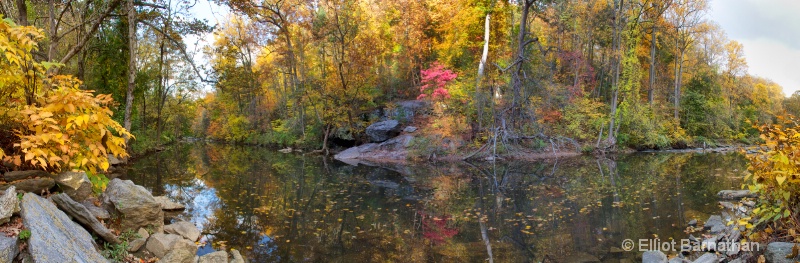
point(276, 207)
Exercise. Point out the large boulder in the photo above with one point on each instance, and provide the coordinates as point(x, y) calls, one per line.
point(9, 204)
point(184, 229)
point(215, 257)
point(8, 248)
point(393, 149)
point(183, 251)
point(20, 175)
point(84, 216)
point(75, 184)
point(237, 258)
point(54, 237)
point(778, 251)
point(161, 244)
point(383, 130)
point(33, 185)
point(133, 204)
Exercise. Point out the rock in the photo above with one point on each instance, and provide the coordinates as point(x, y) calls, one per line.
point(113, 160)
point(161, 244)
point(616, 250)
point(215, 257)
point(717, 229)
point(678, 260)
point(728, 205)
point(709, 244)
point(20, 175)
point(96, 211)
point(54, 237)
point(167, 204)
point(735, 194)
point(706, 258)
point(75, 184)
point(184, 229)
point(735, 235)
point(143, 233)
point(136, 244)
point(410, 129)
point(693, 223)
point(654, 256)
point(393, 149)
point(183, 251)
point(383, 130)
point(8, 248)
point(9, 204)
point(580, 257)
point(777, 252)
point(135, 206)
point(237, 258)
point(713, 221)
point(35, 185)
point(749, 203)
point(84, 216)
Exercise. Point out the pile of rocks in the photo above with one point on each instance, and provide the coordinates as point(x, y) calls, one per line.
point(61, 225)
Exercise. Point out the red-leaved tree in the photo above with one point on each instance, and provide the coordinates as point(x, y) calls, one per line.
point(435, 78)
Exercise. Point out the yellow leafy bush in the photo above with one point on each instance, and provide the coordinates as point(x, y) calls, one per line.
point(775, 177)
point(46, 120)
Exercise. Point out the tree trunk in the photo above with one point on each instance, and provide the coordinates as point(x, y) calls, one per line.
point(131, 65)
point(650, 89)
point(678, 75)
point(22, 9)
point(481, 68)
point(615, 63)
point(517, 81)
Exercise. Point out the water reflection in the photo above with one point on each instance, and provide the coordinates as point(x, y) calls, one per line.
point(286, 208)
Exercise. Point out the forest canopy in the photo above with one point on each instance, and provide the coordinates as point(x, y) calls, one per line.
point(313, 74)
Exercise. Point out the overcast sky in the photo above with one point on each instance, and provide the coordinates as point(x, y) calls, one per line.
point(770, 33)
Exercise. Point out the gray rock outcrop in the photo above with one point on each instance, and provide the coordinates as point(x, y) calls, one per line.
point(84, 216)
point(184, 229)
point(8, 248)
point(383, 130)
point(54, 237)
point(214, 257)
point(33, 185)
point(161, 244)
point(778, 251)
point(735, 194)
point(654, 256)
point(75, 184)
point(9, 204)
point(167, 204)
point(135, 206)
point(20, 175)
point(183, 251)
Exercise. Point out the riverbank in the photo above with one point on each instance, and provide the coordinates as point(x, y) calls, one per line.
point(66, 217)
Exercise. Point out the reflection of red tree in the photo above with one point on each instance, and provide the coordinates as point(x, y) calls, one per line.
point(435, 228)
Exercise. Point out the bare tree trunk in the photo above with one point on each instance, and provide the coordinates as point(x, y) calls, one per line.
point(615, 60)
point(516, 78)
point(51, 51)
point(131, 65)
point(481, 68)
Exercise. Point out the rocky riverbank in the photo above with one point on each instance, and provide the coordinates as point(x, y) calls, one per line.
point(125, 223)
point(720, 238)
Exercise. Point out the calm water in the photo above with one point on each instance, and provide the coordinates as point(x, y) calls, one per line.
point(278, 207)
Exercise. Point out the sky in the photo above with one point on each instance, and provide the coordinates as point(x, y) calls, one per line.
point(769, 30)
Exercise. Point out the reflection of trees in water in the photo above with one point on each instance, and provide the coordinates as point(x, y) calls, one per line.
point(282, 207)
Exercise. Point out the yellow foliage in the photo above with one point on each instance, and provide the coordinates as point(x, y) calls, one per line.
point(775, 175)
point(58, 125)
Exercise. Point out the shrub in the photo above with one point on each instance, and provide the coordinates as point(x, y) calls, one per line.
point(56, 125)
point(775, 177)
